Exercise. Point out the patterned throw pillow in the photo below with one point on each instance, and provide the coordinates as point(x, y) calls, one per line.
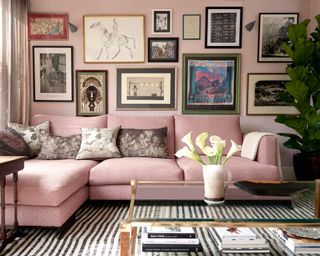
point(99, 144)
point(57, 147)
point(143, 142)
point(12, 144)
point(30, 134)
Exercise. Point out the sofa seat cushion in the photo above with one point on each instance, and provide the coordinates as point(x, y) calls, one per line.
point(241, 168)
point(121, 171)
point(49, 182)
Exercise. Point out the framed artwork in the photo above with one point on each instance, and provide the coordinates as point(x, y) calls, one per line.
point(191, 27)
point(210, 83)
point(223, 27)
point(53, 73)
point(162, 49)
point(48, 26)
point(263, 94)
point(161, 21)
point(273, 32)
point(112, 39)
point(146, 88)
point(92, 92)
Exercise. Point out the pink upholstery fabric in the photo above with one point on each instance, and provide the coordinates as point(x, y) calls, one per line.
point(146, 122)
point(109, 192)
point(227, 127)
point(70, 125)
point(267, 151)
point(241, 168)
point(122, 170)
point(49, 182)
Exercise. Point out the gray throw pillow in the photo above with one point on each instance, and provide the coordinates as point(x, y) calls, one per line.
point(12, 144)
point(143, 142)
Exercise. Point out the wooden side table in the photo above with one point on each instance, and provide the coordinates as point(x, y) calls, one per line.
point(9, 165)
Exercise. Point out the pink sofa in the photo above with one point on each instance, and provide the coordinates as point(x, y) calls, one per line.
point(50, 191)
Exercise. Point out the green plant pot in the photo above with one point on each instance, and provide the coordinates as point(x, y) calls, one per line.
point(306, 167)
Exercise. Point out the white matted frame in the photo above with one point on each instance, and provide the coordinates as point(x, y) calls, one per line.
point(161, 21)
point(113, 38)
point(191, 27)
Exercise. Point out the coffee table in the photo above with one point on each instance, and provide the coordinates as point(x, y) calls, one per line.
point(172, 198)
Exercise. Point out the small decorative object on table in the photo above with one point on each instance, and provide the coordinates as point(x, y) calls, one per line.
point(213, 174)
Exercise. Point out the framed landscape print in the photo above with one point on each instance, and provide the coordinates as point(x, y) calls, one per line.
point(48, 26)
point(92, 92)
point(223, 27)
point(210, 83)
point(112, 39)
point(146, 88)
point(162, 49)
point(161, 21)
point(263, 94)
point(273, 32)
point(53, 73)
point(191, 27)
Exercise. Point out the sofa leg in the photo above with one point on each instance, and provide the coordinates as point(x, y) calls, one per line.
point(65, 227)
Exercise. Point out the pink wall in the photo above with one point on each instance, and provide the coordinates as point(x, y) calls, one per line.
point(252, 8)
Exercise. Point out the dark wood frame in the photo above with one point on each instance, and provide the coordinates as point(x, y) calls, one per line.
point(165, 11)
point(163, 39)
point(183, 26)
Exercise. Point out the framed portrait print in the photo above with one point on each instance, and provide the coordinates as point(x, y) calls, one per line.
point(91, 92)
point(53, 73)
point(112, 39)
point(263, 94)
point(161, 21)
point(223, 27)
point(273, 32)
point(48, 26)
point(161, 49)
point(191, 27)
point(210, 84)
point(146, 88)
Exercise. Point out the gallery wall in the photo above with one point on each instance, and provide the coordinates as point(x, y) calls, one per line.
point(251, 9)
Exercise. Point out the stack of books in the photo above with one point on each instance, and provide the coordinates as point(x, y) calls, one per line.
point(239, 240)
point(169, 239)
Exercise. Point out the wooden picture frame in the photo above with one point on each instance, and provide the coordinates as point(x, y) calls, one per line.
point(161, 21)
point(191, 26)
point(163, 49)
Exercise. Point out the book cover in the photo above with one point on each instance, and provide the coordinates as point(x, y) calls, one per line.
point(171, 232)
point(171, 248)
point(235, 233)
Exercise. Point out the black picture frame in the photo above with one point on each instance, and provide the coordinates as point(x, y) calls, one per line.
point(163, 49)
point(161, 21)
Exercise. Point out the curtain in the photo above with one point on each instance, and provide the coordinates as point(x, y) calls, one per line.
point(15, 90)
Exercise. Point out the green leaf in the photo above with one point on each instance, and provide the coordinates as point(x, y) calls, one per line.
point(297, 73)
point(293, 144)
point(291, 135)
point(295, 122)
point(318, 19)
point(288, 50)
point(298, 31)
point(298, 90)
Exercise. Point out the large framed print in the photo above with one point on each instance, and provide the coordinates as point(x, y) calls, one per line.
point(112, 39)
point(161, 21)
point(53, 73)
point(48, 26)
point(210, 84)
point(146, 88)
point(163, 49)
point(223, 27)
point(92, 93)
point(263, 94)
point(191, 27)
point(273, 32)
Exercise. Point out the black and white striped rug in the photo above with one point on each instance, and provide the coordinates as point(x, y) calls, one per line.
point(96, 231)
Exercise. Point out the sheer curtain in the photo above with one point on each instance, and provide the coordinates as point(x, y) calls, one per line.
point(14, 63)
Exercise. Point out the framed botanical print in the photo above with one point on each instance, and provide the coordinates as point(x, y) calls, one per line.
point(191, 24)
point(210, 84)
point(53, 73)
point(161, 21)
point(163, 49)
point(223, 27)
point(273, 32)
point(91, 92)
point(113, 39)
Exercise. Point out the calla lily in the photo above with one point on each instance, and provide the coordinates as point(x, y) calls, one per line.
point(234, 148)
point(188, 140)
point(218, 141)
point(210, 151)
point(187, 153)
point(201, 140)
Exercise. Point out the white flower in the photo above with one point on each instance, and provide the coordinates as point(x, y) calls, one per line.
point(234, 148)
point(210, 151)
point(187, 153)
point(187, 140)
point(201, 140)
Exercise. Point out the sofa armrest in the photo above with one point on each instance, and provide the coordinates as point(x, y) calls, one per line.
point(267, 150)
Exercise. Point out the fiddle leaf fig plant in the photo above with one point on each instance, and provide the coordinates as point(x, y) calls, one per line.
point(303, 91)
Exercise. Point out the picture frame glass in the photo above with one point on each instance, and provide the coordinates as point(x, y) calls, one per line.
point(191, 27)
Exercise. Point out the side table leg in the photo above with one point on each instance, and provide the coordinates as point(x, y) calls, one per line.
point(15, 187)
point(124, 243)
point(3, 232)
point(317, 199)
point(133, 240)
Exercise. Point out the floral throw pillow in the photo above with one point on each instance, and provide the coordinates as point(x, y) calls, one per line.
point(143, 142)
point(99, 144)
point(30, 134)
point(12, 144)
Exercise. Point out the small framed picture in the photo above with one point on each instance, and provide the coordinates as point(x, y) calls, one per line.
point(146, 88)
point(223, 27)
point(161, 21)
point(53, 73)
point(48, 26)
point(191, 27)
point(162, 49)
point(92, 92)
point(273, 32)
point(263, 94)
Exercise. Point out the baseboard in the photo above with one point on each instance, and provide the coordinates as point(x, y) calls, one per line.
point(288, 173)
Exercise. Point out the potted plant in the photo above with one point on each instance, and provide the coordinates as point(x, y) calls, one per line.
point(303, 92)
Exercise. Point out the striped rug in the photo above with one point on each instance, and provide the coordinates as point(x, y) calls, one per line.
point(95, 232)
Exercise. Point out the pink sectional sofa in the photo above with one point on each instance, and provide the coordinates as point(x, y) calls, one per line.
point(50, 191)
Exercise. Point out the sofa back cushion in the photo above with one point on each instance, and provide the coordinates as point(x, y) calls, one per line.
point(226, 127)
point(146, 122)
point(70, 125)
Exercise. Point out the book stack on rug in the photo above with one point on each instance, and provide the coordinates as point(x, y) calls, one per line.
point(239, 240)
point(170, 239)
